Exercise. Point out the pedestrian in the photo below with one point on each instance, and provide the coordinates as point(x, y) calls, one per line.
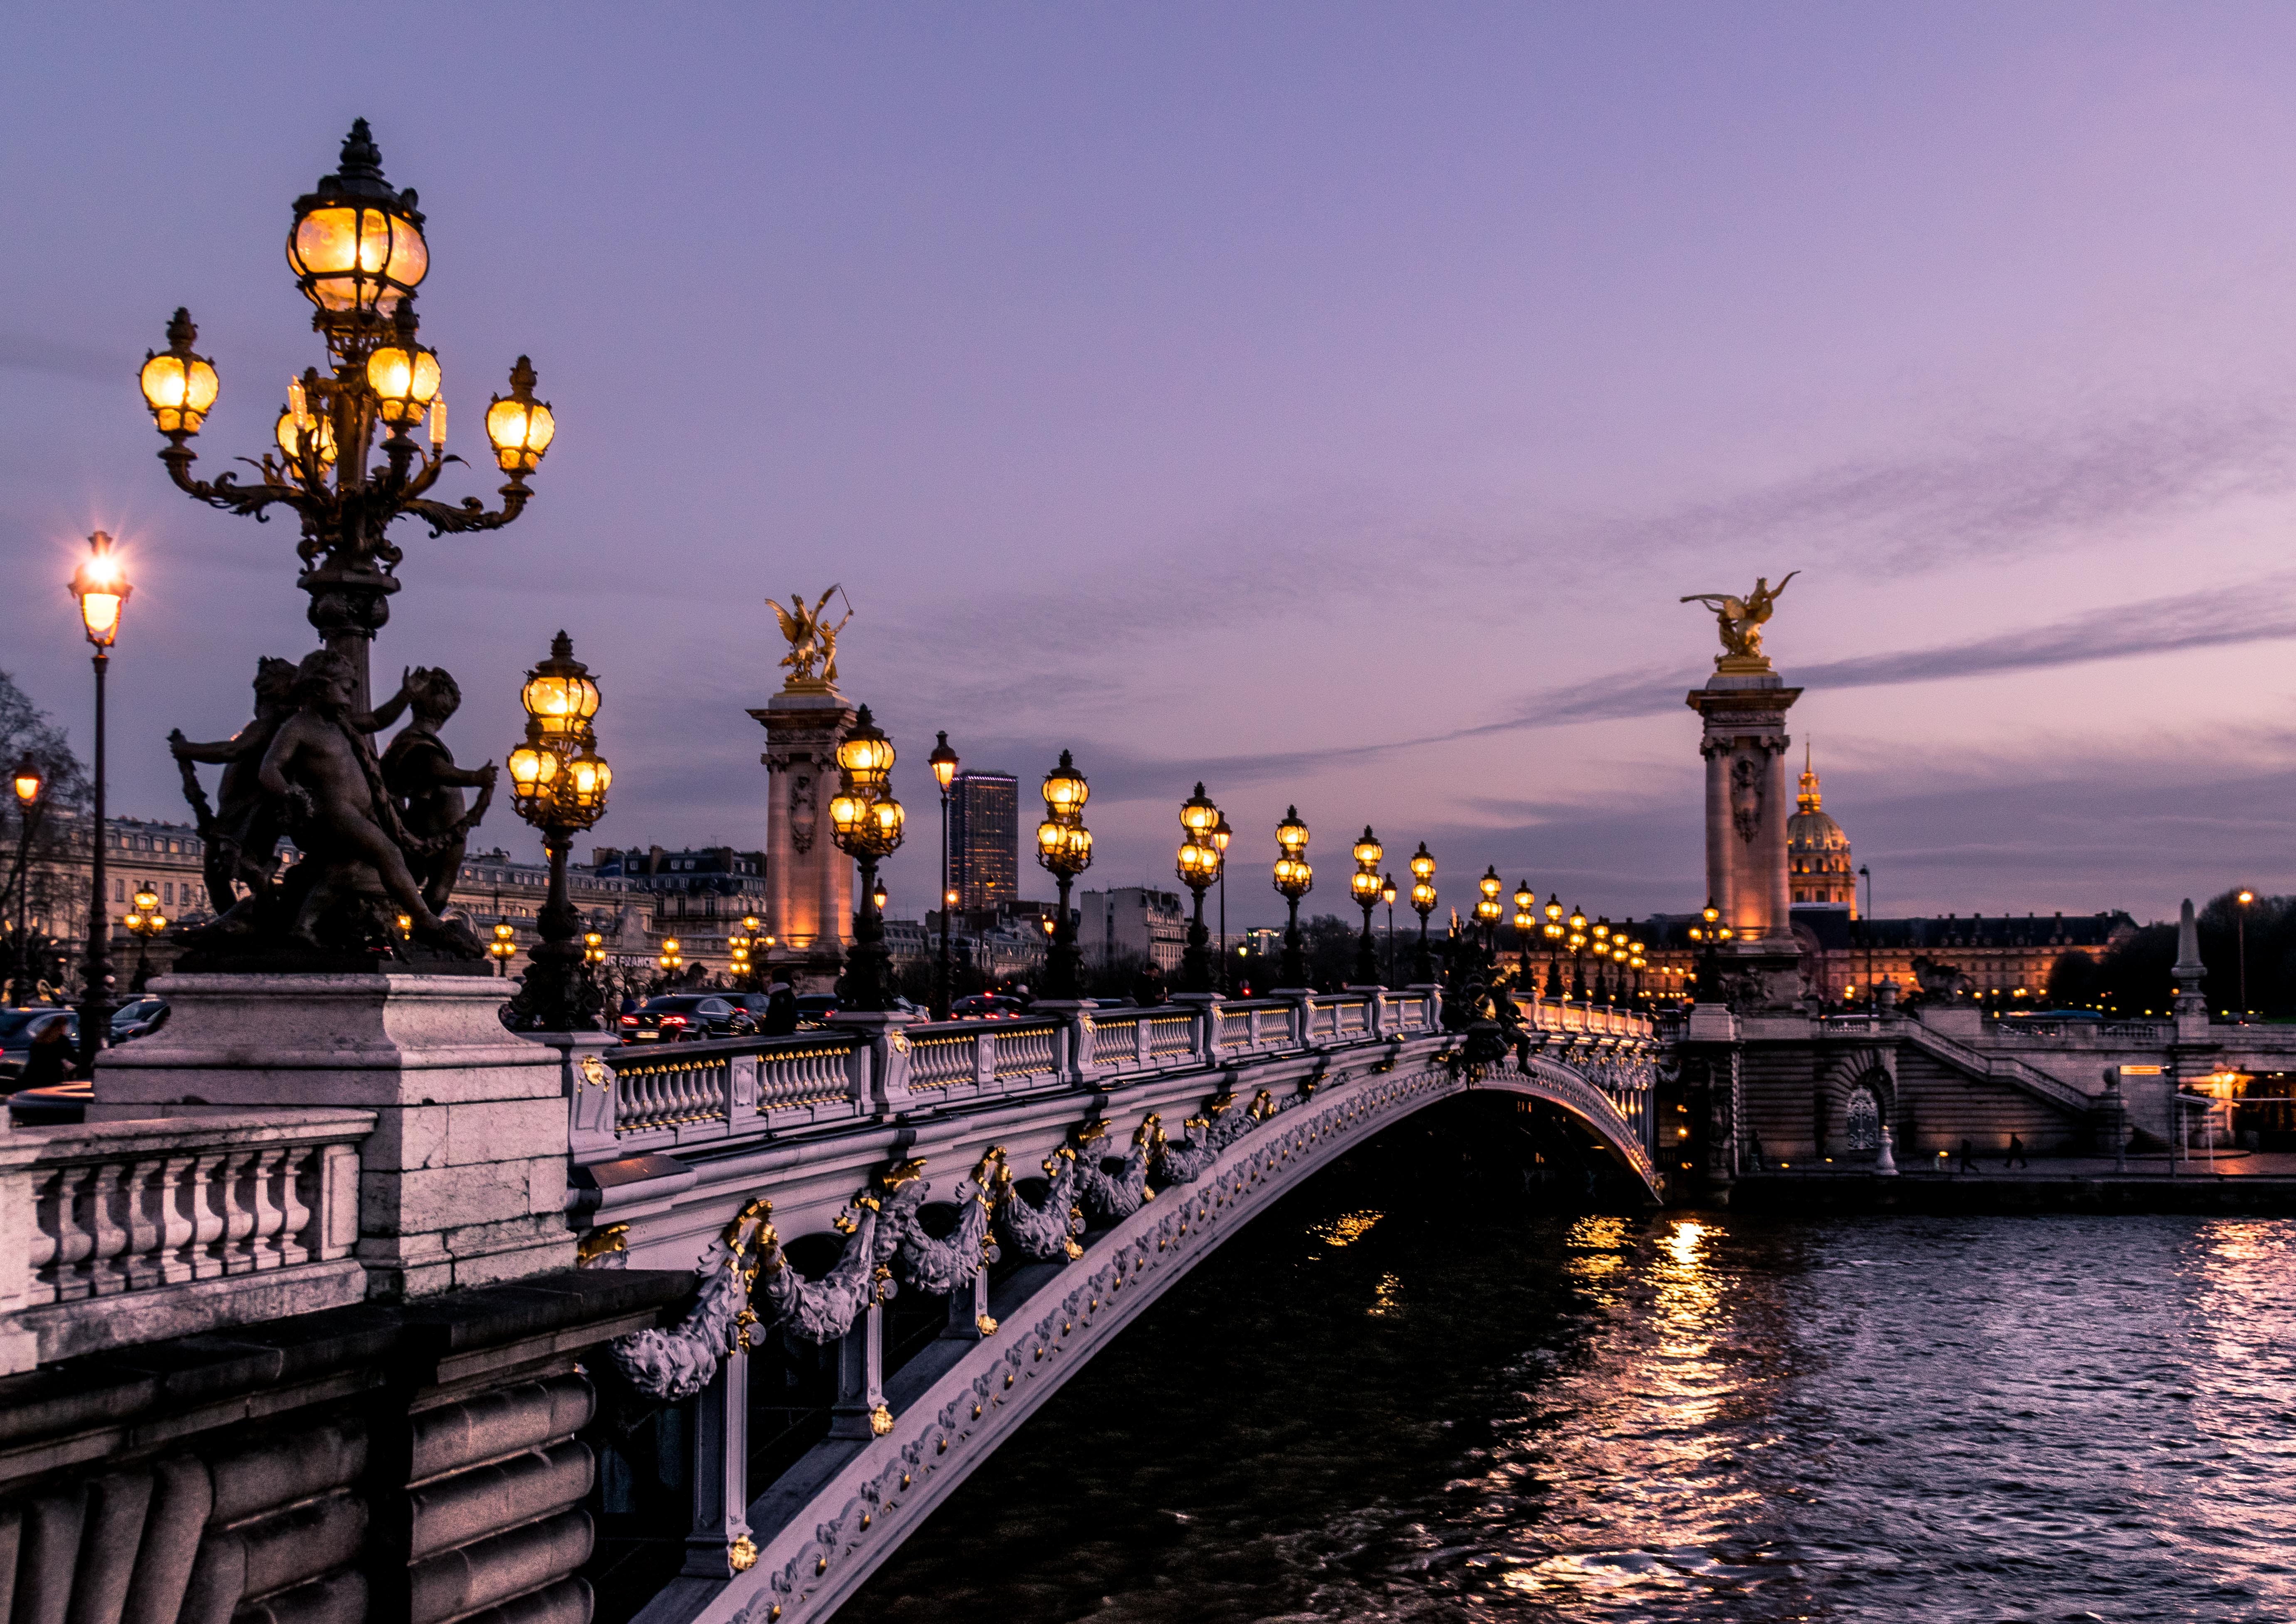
point(1968, 1157)
point(781, 1010)
point(49, 1057)
point(2016, 1157)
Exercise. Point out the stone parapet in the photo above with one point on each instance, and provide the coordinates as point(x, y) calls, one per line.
point(463, 1181)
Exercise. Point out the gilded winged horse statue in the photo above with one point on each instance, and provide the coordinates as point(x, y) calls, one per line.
point(811, 638)
point(1740, 620)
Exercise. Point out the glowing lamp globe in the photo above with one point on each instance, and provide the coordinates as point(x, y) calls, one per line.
point(519, 427)
point(178, 386)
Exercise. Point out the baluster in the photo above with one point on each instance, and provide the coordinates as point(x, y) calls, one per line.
point(149, 1195)
point(107, 1274)
point(204, 1203)
point(51, 1208)
point(172, 1262)
point(262, 1240)
point(295, 1208)
point(238, 1212)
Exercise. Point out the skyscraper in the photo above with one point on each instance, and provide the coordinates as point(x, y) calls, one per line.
point(984, 839)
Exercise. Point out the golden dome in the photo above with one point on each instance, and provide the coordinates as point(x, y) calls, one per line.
point(1819, 871)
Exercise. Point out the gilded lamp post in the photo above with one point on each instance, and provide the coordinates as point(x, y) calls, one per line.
point(1526, 923)
point(1364, 885)
point(1294, 879)
point(866, 821)
point(1576, 940)
point(1423, 903)
point(1221, 835)
point(1552, 930)
point(1387, 894)
point(100, 585)
point(1709, 932)
point(558, 783)
point(1198, 865)
point(143, 923)
point(29, 786)
point(1064, 849)
point(944, 772)
point(1487, 909)
point(358, 254)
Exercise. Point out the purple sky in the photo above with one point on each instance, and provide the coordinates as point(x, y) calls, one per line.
point(1328, 402)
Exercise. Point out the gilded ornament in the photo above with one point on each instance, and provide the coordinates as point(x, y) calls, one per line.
point(987, 1326)
point(880, 1421)
point(1740, 621)
point(742, 1555)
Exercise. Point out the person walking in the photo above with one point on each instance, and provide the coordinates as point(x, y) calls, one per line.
point(781, 1010)
point(50, 1056)
point(2016, 1157)
point(1969, 1157)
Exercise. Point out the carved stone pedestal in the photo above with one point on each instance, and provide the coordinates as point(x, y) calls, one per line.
point(808, 882)
point(463, 1182)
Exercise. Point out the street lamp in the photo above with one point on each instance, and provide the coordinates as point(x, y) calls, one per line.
point(1601, 947)
point(503, 948)
point(1294, 879)
point(1064, 849)
point(100, 586)
point(1576, 940)
point(145, 923)
point(558, 783)
point(1526, 923)
point(2245, 897)
point(1423, 903)
point(1221, 835)
point(29, 786)
point(1552, 931)
point(1387, 894)
point(358, 253)
point(943, 760)
point(1363, 886)
point(1199, 866)
point(1487, 911)
point(1710, 932)
point(671, 960)
point(866, 821)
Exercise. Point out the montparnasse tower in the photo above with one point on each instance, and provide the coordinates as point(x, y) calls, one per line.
point(1818, 868)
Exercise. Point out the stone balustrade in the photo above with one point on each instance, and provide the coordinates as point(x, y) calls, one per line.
point(641, 1098)
point(116, 1233)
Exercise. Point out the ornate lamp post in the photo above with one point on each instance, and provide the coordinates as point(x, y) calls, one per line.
point(1600, 947)
point(558, 783)
point(1064, 849)
point(944, 771)
point(1294, 879)
point(1423, 903)
point(670, 959)
point(101, 587)
point(1552, 930)
point(358, 254)
point(1221, 835)
point(1199, 866)
point(1363, 886)
point(143, 923)
point(1526, 923)
point(1711, 932)
point(866, 821)
point(503, 948)
point(29, 786)
point(1574, 939)
point(2244, 899)
point(1387, 894)
point(1487, 911)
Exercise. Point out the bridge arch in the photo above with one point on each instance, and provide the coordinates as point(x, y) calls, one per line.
point(816, 1533)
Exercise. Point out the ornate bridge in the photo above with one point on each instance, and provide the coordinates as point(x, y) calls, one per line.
point(1095, 1157)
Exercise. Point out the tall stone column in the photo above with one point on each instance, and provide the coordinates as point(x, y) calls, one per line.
point(1743, 706)
point(808, 880)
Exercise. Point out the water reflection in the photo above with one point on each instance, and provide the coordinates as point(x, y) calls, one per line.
point(1387, 1413)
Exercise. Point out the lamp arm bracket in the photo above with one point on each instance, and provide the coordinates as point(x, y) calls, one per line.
point(471, 514)
point(226, 492)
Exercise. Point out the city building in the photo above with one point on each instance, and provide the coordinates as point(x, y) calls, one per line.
point(1132, 922)
point(497, 889)
point(1818, 867)
point(700, 896)
point(984, 840)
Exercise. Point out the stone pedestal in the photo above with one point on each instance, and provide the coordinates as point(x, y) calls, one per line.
point(808, 880)
point(463, 1182)
point(1744, 706)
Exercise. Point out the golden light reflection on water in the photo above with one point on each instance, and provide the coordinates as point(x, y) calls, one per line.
point(1347, 1227)
point(1387, 1297)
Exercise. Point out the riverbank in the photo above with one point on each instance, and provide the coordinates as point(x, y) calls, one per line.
point(2256, 1184)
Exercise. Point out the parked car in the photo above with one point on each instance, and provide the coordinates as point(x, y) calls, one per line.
point(815, 1007)
point(985, 1007)
point(687, 1017)
point(18, 1027)
point(57, 1105)
point(139, 1018)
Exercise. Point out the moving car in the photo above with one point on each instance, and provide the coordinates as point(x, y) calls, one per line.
point(985, 1007)
point(687, 1017)
point(18, 1027)
point(815, 1007)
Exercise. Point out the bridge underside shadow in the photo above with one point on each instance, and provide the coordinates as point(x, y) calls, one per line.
point(828, 1521)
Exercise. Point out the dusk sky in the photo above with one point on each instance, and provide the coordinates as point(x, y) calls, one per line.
point(1328, 402)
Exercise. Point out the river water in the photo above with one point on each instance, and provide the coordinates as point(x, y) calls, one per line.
point(1393, 1398)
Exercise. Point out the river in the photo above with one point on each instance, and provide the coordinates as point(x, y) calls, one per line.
point(1395, 1398)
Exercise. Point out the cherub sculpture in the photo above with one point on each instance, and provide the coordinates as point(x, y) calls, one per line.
point(419, 771)
point(321, 772)
point(241, 831)
point(810, 640)
point(1740, 620)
